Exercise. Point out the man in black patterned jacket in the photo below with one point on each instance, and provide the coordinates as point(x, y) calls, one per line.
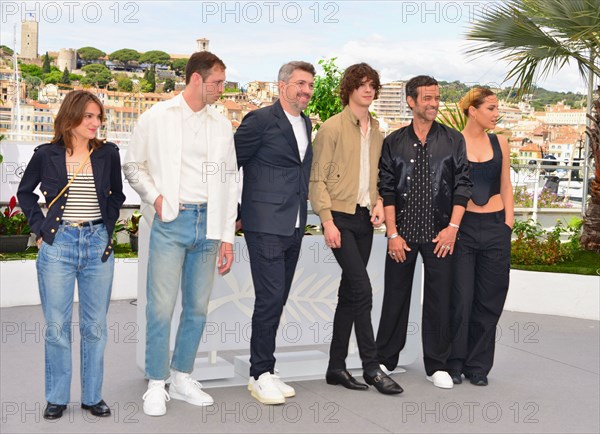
point(425, 186)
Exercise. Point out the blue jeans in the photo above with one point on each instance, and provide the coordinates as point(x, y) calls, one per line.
point(76, 253)
point(179, 254)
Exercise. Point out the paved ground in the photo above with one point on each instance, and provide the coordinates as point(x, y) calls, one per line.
point(546, 379)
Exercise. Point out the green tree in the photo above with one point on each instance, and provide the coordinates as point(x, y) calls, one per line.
point(124, 56)
point(65, 77)
point(540, 37)
point(145, 86)
point(46, 64)
point(125, 84)
point(155, 57)
point(326, 96)
point(178, 65)
point(96, 75)
point(75, 77)
point(30, 70)
point(590, 237)
point(452, 92)
point(150, 77)
point(53, 77)
point(90, 53)
point(32, 84)
point(6, 50)
point(169, 85)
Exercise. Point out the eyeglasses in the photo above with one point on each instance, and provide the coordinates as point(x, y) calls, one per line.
point(216, 83)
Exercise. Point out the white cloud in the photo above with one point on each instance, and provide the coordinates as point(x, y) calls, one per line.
point(366, 32)
point(444, 59)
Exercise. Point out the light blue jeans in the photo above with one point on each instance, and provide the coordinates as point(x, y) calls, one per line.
point(76, 253)
point(180, 254)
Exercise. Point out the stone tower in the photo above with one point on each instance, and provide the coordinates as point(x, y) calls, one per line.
point(29, 39)
point(202, 44)
point(67, 58)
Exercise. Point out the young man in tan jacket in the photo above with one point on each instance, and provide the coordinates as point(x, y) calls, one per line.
point(343, 192)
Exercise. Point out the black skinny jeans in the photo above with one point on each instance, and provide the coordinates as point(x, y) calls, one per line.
point(355, 295)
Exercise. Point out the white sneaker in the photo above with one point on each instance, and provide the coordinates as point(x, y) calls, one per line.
point(441, 379)
point(155, 398)
point(397, 370)
point(185, 388)
point(266, 390)
point(286, 390)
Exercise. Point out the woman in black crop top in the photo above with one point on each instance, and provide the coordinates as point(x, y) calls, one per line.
point(482, 254)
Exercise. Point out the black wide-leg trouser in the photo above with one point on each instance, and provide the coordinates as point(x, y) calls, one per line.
point(482, 258)
point(393, 325)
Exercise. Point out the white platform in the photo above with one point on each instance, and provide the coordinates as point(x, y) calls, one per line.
point(307, 319)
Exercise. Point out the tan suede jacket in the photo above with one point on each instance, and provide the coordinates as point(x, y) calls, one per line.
point(336, 165)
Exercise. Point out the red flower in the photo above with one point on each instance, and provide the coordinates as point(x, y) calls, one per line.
point(9, 210)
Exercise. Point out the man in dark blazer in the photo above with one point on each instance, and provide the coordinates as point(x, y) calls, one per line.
point(273, 146)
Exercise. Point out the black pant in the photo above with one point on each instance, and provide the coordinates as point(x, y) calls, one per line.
point(273, 260)
point(435, 333)
point(481, 279)
point(355, 296)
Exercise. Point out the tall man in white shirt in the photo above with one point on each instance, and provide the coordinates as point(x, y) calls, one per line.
point(182, 163)
point(273, 147)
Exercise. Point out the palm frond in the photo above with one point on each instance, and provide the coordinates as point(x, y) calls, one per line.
point(453, 117)
point(539, 37)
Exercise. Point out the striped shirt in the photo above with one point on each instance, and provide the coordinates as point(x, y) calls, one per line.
point(82, 201)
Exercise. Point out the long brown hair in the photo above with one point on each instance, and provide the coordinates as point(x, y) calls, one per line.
point(70, 115)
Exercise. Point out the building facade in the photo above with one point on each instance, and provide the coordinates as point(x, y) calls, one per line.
point(391, 104)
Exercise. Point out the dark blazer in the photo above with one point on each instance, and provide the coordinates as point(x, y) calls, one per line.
point(48, 168)
point(448, 165)
point(275, 179)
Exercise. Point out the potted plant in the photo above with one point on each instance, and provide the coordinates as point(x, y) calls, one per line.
point(131, 226)
point(14, 230)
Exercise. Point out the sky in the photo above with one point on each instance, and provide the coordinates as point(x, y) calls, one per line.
point(254, 38)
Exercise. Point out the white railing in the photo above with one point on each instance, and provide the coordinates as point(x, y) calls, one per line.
point(536, 173)
point(531, 173)
point(120, 138)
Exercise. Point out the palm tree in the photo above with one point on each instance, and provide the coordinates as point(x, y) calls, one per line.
point(540, 37)
point(590, 238)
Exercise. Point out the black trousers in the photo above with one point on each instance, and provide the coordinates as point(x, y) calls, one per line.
point(435, 332)
point(273, 260)
point(355, 295)
point(480, 286)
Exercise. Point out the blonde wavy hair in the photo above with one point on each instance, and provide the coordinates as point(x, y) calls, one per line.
point(474, 97)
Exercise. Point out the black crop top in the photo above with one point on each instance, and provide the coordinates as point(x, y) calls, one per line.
point(486, 175)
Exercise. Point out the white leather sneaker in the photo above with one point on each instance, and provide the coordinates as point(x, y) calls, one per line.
point(397, 370)
point(441, 379)
point(265, 390)
point(155, 398)
point(286, 390)
point(185, 388)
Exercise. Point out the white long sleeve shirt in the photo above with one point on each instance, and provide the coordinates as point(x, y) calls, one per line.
point(153, 163)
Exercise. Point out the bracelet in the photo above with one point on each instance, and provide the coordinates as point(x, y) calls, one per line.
point(394, 235)
point(452, 225)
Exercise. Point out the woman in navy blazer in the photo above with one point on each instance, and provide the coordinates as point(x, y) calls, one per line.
point(75, 249)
